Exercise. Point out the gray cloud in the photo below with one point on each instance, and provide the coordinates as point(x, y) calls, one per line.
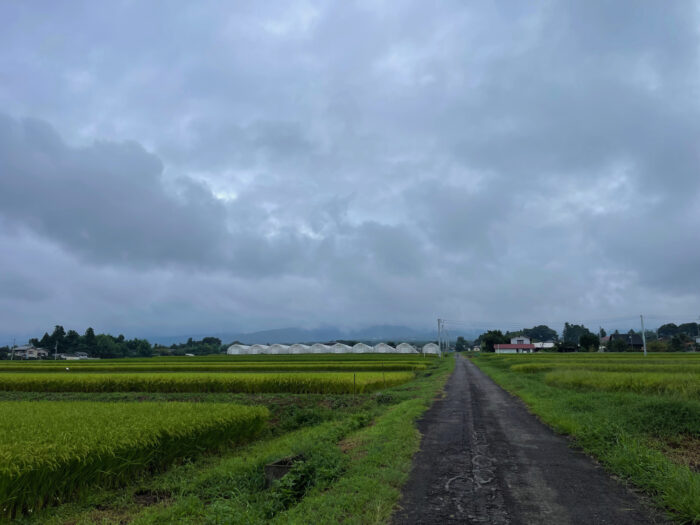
point(245, 167)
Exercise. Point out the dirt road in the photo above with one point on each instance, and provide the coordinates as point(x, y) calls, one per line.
point(485, 459)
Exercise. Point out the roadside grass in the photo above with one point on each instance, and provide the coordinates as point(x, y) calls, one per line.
point(627, 431)
point(355, 453)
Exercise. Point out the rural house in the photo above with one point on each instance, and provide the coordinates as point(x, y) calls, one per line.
point(30, 352)
point(517, 345)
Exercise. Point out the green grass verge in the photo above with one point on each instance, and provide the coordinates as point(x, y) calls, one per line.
point(623, 430)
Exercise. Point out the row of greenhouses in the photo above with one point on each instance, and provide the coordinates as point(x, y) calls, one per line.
point(337, 348)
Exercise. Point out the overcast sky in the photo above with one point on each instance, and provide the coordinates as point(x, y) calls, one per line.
point(235, 166)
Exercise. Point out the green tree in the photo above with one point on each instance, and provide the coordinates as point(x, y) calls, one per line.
point(676, 344)
point(541, 333)
point(657, 346)
point(71, 341)
point(589, 341)
point(689, 329)
point(617, 345)
point(45, 341)
point(668, 330)
point(461, 344)
point(491, 338)
point(89, 341)
point(573, 332)
point(57, 336)
point(105, 346)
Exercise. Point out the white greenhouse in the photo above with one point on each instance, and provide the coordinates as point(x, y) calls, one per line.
point(258, 349)
point(237, 349)
point(383, 348)
point(278, 349)
point(361, 348)
point(318, 348)
point(405, 348)
point(340, 348)
point(337, 348)
point(431, 348)
point(299, 349)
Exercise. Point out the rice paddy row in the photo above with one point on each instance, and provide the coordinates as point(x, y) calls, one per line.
point(675, 374)
point(250, 383)
point(217, 367)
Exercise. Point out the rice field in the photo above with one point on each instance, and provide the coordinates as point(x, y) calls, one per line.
point(52, 451)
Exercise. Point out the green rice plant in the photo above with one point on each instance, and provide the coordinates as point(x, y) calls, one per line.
point(297, 383)
point(686, 385)
point(51, 451)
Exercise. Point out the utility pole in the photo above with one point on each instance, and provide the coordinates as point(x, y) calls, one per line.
point(644, 336)
point(12, 358)
point(439, 321)
point(55, 352)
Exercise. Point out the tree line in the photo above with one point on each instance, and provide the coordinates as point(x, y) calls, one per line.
point(107, 346)
point(667, 338)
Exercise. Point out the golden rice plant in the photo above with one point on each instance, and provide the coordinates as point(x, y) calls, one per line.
point(252, 383)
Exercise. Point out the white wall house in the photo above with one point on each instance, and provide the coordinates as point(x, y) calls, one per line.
point(540, 346)
point(520, 340)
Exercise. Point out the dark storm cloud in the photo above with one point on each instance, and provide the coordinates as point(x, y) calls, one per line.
point(317, 162)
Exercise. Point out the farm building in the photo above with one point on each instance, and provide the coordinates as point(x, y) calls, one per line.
point(258, 349)
point(405, 348)
point(383, 348)
point(299, 349)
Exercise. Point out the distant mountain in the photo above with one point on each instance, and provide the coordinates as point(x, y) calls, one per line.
point(300, 335)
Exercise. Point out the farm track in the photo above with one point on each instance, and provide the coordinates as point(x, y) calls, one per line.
point(485, 459)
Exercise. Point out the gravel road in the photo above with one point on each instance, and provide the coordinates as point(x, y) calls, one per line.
point(485, 459)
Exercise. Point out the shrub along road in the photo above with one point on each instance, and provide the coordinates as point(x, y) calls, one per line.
point(485, 459)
